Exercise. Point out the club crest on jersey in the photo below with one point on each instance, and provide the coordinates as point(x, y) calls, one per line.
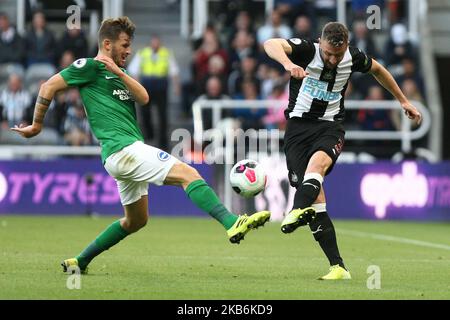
point(80, 63)
point(163, 156)
point(328, 75)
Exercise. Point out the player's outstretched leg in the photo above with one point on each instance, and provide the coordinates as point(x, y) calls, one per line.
point(136, 217)
point(206, 199)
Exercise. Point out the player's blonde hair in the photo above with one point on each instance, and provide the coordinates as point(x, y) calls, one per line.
point(112, 28)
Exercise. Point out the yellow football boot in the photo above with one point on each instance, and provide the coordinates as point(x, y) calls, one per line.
point(245, 223)
point(336, 273)
point(70, 266)
point(297, 218)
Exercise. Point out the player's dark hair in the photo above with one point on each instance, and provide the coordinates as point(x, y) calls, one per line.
point(335, 33)
point(112, 28)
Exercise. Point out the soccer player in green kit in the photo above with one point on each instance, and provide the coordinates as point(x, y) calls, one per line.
point(109, 96)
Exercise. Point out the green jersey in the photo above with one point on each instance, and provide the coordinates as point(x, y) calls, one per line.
point(109, 105)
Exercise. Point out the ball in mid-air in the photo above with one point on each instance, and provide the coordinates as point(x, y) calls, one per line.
point(248, 178)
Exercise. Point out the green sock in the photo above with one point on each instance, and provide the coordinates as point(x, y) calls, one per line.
point(206, 199)
point(111, 236)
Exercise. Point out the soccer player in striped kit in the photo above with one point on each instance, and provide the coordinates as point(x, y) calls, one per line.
point(315, 135)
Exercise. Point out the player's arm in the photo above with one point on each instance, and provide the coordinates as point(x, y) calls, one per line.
point(387, 81)
point(279, 49)
point(137, 90)
point(46, 93)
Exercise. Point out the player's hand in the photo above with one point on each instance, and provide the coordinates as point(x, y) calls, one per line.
point(296, 71)
point(109, 64)
point(411, 112)
point(27, 131)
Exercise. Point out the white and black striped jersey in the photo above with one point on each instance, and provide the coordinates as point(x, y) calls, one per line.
point(320, 95)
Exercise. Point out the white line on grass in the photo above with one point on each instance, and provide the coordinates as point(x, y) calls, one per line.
point(392, 238)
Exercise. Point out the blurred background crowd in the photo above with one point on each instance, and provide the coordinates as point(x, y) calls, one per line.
point(226, 62)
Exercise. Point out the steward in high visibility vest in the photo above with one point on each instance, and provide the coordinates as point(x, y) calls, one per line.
point(154, 65)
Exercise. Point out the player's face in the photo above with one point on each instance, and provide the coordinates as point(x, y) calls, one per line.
point(121, 49)
point(331, 55)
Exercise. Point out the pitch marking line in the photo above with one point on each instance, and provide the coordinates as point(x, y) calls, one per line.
point(379, 236)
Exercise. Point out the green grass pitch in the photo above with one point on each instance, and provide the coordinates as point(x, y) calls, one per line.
point(191, 258)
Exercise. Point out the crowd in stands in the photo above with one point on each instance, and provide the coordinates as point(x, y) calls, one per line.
point(25, 63)
point(228, 61)
point(246, 72)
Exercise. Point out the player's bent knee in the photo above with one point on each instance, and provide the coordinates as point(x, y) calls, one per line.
point(192, 174)
point(189, 173)
point(133, 225)
point(182, 174)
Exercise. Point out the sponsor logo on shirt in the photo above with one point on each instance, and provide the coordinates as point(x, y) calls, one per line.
point(122, 94)
point(318, 89)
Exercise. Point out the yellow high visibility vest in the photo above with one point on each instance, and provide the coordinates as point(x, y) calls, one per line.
point(152, 66)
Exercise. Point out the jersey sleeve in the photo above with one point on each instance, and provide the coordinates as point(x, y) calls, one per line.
point(303, 51)
point(80, 73)
point(361, 61)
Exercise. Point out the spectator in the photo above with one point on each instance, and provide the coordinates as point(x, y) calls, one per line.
point(14, 101)
point(246, 72)
point(411, 91)
point(40, 42)
point(155, 65)
point(214, 91)
point(243, 22)
point(409, 71)
point(275, 118)
point(53, 120)
point(268, 75)
point(210, 46)
point(274, 28)
point(290, 9)
point(242, 46)
point(76, 126)
point(376, 119)
point(351, 115)
point(67, 58)
point(12, 46)
point(397, 10)
point(249, 118)
point(362, 39)
point(303, 28)
point(216, 68)
point(398, 46)
point(74, 40)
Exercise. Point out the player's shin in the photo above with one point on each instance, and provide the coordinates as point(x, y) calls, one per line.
point(308, 191)
point(108, 238)
point(206, 199)
point(323, 231)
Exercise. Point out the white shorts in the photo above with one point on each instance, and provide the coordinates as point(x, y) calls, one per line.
point(137, 165)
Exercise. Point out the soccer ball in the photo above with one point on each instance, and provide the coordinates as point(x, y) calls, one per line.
point(248, 178)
